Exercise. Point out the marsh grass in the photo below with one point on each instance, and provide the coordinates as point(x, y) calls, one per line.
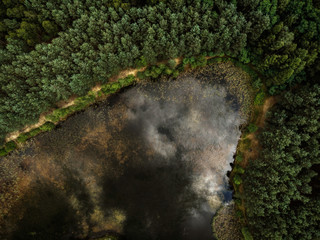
point(226, 225)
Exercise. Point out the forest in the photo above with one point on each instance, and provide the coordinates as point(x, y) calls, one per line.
point(56, 49)
point(282, 185)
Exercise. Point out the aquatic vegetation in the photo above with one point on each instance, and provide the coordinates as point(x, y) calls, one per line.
point(155, 156)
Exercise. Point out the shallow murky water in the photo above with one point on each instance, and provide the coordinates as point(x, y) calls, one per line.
point(149, 163)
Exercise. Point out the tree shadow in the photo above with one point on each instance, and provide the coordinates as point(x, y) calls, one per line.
point(154, 192)
point(48, 214)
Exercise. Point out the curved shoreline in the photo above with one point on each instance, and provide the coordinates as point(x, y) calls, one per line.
point(99, 95)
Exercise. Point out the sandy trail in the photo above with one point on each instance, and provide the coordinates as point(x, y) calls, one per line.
point(63, 104)
point(253, 151)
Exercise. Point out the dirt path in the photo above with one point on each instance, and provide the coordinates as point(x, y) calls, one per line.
point(266, 106)
point(63, 104)
point(253, 151)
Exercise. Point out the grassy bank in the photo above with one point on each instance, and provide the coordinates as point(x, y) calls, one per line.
point(247, 150)
point(225, 224)
point(47, 121)
point(170, 69)
point(61, 114)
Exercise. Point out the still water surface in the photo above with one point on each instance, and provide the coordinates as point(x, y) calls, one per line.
point(148, 163)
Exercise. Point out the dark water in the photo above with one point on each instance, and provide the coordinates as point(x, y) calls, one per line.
point(149, 163)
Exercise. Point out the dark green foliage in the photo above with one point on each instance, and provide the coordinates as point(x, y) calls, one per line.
point(246, 234)
point(142, 62)
point(252, 128)
point(3, 152)
point(62, 113)
point(36, 21)
point(257, 84)
point(141, 75)
point(275, 41)
point(244, 56)
point(10, 146)
point(21, 21)
point(59, 114)
point(237, 201)
point(239, 214)
point(281, 196)
point(291, 44)
point(50, 27)
point(97, 41)
point(239, 157)
point(216, 60)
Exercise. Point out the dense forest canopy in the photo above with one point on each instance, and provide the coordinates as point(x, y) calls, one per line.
point(282, 185)
point(51, 50)
point(96, 41)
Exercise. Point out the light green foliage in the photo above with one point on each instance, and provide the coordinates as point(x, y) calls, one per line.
point(239, 157)
point(195, 62)
point(239, 169)
point(62, 113)
point(115, 87)
point(50, 27)
point(259, 99)
point(53, 117)
point(127, 80)
point(34, 132)
point(48, 126)
point(28, 32)
point(291, 44)
point(257, 84)
point(106, 89)
point(81, 103)
point(237, 179)
point(278, 38)
point(172, 64)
